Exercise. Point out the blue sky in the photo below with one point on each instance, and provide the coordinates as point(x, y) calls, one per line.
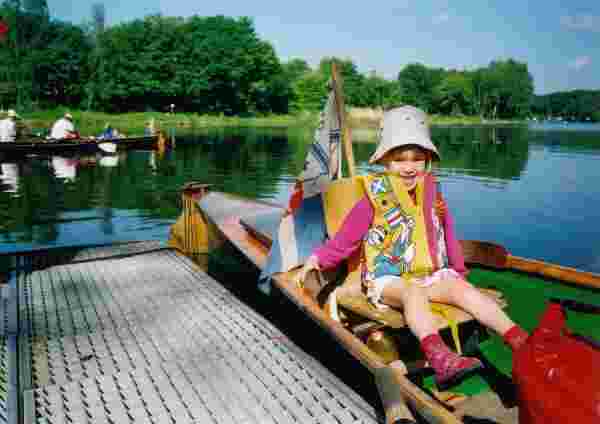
point(559, 40)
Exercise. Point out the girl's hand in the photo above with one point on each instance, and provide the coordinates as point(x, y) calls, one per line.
point(311, 263)
point(440, 208)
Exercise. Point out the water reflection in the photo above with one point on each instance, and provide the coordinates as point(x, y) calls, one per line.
point(10, 177)
point(497, 154)
point(526, 188)
point(109, 161)
point(64, 167)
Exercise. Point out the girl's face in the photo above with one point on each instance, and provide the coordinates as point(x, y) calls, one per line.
point(408, 163)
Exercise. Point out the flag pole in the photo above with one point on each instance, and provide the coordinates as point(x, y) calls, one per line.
point(345, 131)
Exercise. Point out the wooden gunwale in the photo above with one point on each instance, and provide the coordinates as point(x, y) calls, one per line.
point(496, 256)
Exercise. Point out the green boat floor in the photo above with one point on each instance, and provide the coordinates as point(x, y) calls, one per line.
point(527, 298)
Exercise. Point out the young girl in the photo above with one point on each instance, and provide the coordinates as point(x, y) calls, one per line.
point(409, 254)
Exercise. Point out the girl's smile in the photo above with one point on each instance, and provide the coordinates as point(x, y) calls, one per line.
point(407, 163)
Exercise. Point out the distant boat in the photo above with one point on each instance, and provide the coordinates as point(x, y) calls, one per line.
point(40, 145)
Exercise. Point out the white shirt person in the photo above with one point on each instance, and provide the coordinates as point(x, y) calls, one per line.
point(8, 127)
point(63, 128)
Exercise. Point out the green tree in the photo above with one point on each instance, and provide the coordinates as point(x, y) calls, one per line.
point(202, 64)
point(295, 69)
point(417, 84)
point(579, 105)
point(354, 92)
point(60, 67)
point(42, 60)
point(380, 92)
point(309, 91)
point(454, 94)
point(282, 86)
point(508, 89)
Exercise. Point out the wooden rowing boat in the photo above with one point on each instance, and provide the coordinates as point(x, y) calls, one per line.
point(42, 146)
point(380, 340)
point(209, 218)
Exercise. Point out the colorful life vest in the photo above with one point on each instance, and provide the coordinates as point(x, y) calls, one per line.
point(396, 243)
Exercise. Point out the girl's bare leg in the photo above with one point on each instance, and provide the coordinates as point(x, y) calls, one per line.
point(414, 301)
point(449, 366)
point(462, 294)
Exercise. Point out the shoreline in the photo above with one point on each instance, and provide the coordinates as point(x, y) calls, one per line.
point(360, 119)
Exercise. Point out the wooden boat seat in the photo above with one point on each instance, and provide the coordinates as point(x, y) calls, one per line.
point(394, 318)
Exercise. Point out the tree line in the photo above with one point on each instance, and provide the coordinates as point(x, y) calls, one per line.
point(576, 105)
point(219, 65)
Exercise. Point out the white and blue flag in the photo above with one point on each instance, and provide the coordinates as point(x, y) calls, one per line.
point(303, 227)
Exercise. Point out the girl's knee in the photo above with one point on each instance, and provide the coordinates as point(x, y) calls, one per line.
point(461, 289)
point(413, 292)
point(402, 294)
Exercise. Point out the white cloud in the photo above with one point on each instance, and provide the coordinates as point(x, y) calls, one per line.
point(581, 22)
point(441, 18)
point(580, 62)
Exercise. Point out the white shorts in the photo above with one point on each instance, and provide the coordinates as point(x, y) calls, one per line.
point(374, 293)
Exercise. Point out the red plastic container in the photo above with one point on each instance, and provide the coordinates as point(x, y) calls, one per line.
point(557, 375)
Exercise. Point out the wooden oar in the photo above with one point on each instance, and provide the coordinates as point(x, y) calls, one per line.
point(496, 256)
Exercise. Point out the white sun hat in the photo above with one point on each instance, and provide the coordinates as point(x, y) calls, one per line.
point(403, 126)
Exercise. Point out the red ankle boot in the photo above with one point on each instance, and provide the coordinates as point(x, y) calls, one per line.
point(449, 367)
point(515, 337)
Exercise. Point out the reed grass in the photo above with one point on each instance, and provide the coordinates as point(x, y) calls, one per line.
point(133, 122)
point(363, 120)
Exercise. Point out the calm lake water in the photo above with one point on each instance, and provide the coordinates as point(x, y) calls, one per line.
point(533, 189)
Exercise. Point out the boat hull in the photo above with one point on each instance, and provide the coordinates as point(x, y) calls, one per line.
point(41, 146)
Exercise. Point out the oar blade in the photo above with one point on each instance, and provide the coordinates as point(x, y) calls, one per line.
point(396, 409)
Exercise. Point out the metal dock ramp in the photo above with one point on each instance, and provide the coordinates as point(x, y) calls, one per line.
point(136, 333)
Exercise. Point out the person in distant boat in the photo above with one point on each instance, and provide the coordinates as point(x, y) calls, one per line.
point(409, 254)
point(64, 128)
point(8, 127)
point(109, 133)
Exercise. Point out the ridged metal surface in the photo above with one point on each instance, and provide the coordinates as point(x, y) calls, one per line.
point(149, 338)
point(9, 394)
point(4, 379)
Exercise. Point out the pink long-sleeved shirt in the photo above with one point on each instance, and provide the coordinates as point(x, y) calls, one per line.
point(358, 221)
